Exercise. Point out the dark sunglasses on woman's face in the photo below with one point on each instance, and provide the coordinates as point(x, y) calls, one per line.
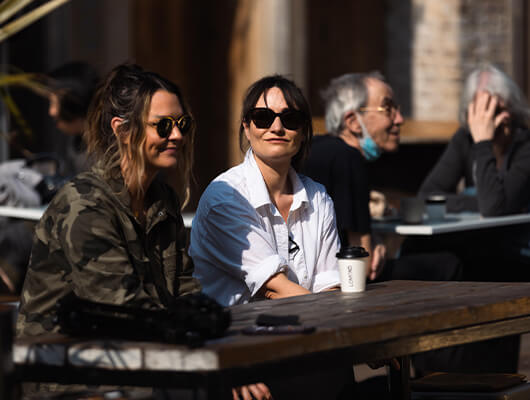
point(165, 125)
point(264, 117)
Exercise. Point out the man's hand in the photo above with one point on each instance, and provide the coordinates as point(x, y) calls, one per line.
point(258, 391)
point(378, 261)
point(482, 118)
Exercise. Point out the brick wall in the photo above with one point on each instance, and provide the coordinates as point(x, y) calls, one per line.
point(433, 44)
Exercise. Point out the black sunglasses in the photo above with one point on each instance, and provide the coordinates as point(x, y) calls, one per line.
point(264, 117)
point(165, 125)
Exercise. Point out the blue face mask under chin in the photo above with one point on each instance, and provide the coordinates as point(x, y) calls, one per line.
point(370, 149)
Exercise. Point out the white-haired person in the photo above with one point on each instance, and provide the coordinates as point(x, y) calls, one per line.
point(490, 153)
point(363, 121)
point(491, 150)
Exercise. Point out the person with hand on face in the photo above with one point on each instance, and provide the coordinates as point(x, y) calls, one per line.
point(490, 153)
point(491, 149)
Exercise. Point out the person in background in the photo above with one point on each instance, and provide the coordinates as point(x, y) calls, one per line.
point(491, 149)
point(72, 86)
point(490, 155)
point(34, 181)
point(363, 121)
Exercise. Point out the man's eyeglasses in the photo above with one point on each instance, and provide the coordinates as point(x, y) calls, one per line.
point(390, 108)
point(165, 125)
point(264, 117)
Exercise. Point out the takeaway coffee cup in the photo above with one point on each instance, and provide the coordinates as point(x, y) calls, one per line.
point(411, 210)
point(352, 269)
point(435, 207)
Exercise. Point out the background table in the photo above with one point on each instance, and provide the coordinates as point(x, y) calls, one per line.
point(452, 223)
point(390, 319)
point(34, 214)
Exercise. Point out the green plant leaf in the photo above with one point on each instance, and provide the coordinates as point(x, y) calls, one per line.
point(9, 7)
point(27, 19)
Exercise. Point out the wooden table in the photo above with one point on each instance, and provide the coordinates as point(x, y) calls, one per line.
point(452, 223)
point(390, 319)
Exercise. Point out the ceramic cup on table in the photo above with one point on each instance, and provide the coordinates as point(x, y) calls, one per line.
point(435, 208)
point(352, 269)
point(411, 210)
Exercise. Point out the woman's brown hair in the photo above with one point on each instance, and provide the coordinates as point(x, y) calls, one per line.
point(126, 93)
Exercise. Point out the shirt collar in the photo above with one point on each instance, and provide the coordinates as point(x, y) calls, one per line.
point(299, 193)
point(259, 195)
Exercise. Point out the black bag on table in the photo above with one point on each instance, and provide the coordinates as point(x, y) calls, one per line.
point(190, 320)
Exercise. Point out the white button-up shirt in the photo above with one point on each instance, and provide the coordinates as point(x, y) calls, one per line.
point(239, 239)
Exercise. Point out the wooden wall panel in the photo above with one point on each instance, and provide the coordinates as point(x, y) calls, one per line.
point(344, 36)
point(196, 44)
point(188, 42)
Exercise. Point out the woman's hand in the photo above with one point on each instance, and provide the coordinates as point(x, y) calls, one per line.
point(482, 118)
point(378, 261)
point(258, 391)
point(279, 286)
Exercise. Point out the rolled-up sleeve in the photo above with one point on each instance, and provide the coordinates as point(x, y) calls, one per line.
point(229, 245)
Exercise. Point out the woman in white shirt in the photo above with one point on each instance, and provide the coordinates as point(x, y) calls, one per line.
point(261, 230)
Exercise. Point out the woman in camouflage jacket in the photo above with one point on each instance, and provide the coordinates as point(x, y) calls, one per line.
point(115, 234)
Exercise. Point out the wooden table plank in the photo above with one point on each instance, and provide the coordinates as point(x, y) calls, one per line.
point(390, 319)
point(384, 312)
point(389, 311)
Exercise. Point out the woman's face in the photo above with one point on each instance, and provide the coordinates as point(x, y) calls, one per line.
point(162, 153)
point(275, 144)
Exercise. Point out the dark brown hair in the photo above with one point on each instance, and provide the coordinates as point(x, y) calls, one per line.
point(294, 99)
point(74, 84)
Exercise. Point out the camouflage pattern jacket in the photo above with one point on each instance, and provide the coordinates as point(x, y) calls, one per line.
point(89, 241)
